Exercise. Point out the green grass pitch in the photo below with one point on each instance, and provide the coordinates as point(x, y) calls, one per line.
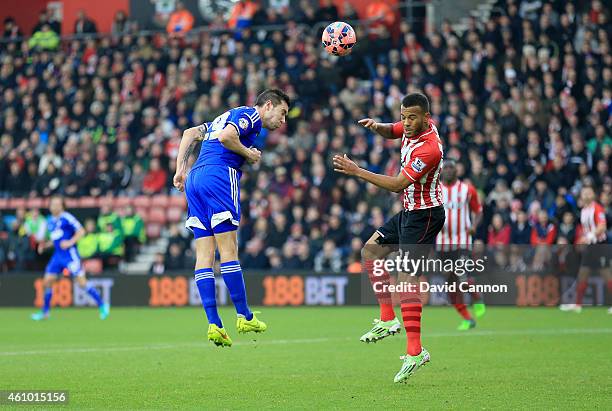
point(309, 358)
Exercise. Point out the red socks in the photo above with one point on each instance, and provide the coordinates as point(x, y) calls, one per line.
point(475, 295)
point(383, 297)
point(411, 315)
point(580, 290)
point(462, 309)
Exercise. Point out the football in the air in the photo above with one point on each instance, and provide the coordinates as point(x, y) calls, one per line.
point(339, 38)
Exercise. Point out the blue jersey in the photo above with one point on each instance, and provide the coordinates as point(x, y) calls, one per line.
point(248, 124)
point(62, 228)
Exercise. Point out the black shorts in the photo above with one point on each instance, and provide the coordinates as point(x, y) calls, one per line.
point(595, 256)
point(412, 227)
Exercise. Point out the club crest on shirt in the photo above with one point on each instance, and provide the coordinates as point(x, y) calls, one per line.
point(243, 123)
point(418, 165)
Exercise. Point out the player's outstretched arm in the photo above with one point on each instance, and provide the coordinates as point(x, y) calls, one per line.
point(190, 137)
point(383, 129)
point(230, 139)
point(345, 165)
point(42, 246)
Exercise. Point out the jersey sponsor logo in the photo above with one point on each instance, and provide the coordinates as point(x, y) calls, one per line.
point(418, 165)
point(243, 123)
point(57, 234)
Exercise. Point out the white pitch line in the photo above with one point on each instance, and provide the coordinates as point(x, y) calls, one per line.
point(204, 344)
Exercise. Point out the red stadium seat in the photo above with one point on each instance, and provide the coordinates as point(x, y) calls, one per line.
point(35, 202)
point(93, 266)
point(69, 203)
point(142, 212)
point(157, 215)
point(87, 202)
point(3, 203)
point(17, 202)
point(153, 230)
point(175, 214)
point(141, 201)
point(160, 201)
point(178, 201)
point(121, 202)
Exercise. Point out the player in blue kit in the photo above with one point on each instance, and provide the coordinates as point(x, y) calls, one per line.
point(64, 231)
point(212, 188)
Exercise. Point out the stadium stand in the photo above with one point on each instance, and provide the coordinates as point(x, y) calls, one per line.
point(523, 101)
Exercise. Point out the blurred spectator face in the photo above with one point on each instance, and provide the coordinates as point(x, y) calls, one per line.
point(90, 225)
point(543, 217)
point(254, 246)
point(159, 258)
point(497, 222)
point(541, 186)
point(15, 169)
point(521, 217)
point(155, 164)
point(56, 205)
point(568, 218)
point(175, 250)
point(329, 247)
point(356, 244)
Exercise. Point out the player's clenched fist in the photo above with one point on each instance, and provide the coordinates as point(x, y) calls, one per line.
point(345, 165)
point(254, 155)
point(179, 181)
point(368, 123)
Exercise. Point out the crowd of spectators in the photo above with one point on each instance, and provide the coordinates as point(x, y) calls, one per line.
point(522, 101)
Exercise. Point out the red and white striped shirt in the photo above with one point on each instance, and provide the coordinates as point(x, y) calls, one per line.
point(590, 217)
point(460, 199)
point(421, 159)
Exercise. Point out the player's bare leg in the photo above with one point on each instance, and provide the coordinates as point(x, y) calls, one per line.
point(227, 243)
point(48, 281)
point(387, 324)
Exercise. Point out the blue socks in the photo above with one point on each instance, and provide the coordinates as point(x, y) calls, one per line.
point(95, 295)
point(47, 300)
point(205, 280)
point(49, 293)
point(232, 275)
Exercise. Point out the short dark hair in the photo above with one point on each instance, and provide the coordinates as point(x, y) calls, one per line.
point(416, 99)
point(450, 161)
point(275, 95)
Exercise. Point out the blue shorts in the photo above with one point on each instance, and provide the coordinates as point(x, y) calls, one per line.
point(213, 200)
point(68, 260)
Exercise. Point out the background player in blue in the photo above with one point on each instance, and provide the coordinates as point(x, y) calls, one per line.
point(64, 231)
point(213, 198)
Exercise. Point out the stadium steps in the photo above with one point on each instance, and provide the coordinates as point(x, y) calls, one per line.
point(145, 258)
point(482, 13)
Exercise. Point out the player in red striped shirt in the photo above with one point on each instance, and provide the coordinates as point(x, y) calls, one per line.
point(454, 241)
point(419, 222)
point(594, 254)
